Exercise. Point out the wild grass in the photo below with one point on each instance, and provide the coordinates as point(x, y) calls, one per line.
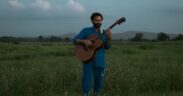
point(50, 69)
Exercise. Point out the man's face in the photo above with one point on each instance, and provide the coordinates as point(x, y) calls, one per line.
point(97, 22)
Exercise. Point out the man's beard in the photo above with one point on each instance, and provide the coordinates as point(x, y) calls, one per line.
point(97, 25)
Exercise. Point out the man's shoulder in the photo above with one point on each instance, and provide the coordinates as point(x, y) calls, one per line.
point(88, 28)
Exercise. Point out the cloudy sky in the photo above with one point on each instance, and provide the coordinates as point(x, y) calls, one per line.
point(56, 17)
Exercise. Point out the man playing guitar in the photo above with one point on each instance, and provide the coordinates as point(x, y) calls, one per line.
point(94, 68)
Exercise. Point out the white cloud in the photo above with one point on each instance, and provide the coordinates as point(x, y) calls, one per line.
point(42, 4)
point(71, 7)
point(75, 6)
point(16, 3)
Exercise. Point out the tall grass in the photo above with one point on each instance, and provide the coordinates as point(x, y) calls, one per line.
point(50, 69)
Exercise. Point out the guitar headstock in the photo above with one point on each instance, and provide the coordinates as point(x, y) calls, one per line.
point(121, 20)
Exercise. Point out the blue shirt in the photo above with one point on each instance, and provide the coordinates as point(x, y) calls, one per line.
point(99, 58)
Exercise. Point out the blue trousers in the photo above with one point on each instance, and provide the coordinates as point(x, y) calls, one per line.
point(90, 71)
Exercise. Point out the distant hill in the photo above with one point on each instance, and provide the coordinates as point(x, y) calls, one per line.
point(127, 35)
point(130, 34)
point(70, 35)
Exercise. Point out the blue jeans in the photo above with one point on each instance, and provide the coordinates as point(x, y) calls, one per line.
point(90, 71)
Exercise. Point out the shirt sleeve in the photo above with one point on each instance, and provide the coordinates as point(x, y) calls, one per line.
point(81, 35)
point(106, 46)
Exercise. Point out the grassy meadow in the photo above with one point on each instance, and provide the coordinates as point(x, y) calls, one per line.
point(50, 69)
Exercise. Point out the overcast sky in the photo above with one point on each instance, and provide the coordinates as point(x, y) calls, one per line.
point(56, 17)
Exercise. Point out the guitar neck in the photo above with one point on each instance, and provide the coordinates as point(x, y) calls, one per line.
point(112, 26)
point(119, 21)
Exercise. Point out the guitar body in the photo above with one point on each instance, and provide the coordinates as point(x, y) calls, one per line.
point(86, 53)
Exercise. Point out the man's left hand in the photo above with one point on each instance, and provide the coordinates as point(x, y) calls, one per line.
point(108, 33)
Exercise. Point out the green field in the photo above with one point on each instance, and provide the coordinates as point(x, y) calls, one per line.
point(50, 69)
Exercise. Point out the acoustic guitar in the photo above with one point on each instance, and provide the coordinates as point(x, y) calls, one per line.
point(86, 53)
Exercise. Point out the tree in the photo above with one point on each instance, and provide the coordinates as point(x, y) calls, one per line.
point(179, 37)
point(138, 37)
point(66, 39)
point(162, 36)
point(55, 38)
point(40, 38)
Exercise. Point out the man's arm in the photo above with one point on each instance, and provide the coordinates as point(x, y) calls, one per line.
point(78, 39)
point(109, 38)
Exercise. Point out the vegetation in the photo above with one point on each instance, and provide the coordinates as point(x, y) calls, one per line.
point(10, 39)
point(138, 37)
point(179, 37)
point(50, 69)
point(162, 36)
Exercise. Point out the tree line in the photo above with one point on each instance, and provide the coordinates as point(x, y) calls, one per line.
point(138, 37)
point(160, 37)
point(16, 40)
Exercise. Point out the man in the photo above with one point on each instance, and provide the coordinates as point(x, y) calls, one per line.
point(95, 67)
